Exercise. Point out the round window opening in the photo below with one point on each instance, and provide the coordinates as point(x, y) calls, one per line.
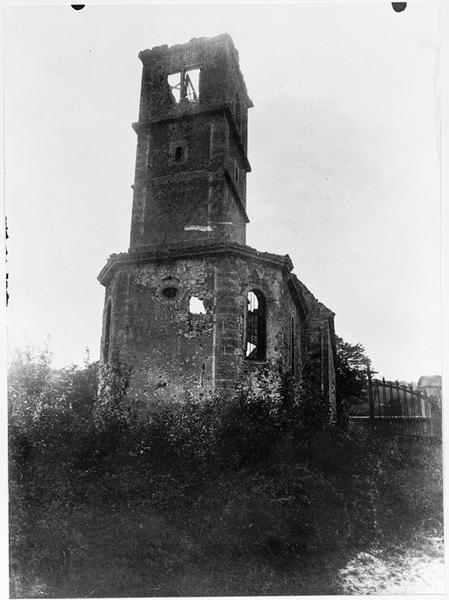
point(170, 292)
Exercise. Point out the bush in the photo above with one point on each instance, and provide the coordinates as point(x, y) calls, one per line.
point(106, 504)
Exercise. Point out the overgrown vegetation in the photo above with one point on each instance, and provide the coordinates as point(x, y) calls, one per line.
point(351, 375)
point(239, 495)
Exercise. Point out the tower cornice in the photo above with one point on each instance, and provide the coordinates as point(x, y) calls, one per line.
point(150, 253)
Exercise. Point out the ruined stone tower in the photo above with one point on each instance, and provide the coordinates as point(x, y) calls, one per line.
point(190, 306)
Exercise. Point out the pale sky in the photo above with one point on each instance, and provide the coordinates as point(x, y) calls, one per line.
point(343, 143)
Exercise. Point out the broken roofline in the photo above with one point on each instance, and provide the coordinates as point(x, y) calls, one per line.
point(202, 45)
point(139, 256)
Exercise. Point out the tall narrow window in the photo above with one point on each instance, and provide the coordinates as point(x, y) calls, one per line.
point(177, 152)
point(107, 332)
point(256, 326)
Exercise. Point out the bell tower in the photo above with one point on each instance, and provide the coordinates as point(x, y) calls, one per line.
point(190, 307)
point(191, 166)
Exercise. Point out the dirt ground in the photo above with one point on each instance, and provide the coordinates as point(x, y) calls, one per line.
point(418, 569)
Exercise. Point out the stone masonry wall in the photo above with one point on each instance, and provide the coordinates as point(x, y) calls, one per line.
point(176, 305)
point(321, 353)
point(172, 350)
point(190, 200)
point(199, 193)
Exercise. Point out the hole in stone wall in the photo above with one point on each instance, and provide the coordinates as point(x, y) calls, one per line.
point(184, 85)
point(170, 292)
point(196, 306)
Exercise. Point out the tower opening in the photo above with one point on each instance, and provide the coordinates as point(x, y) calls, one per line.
point(184, 85)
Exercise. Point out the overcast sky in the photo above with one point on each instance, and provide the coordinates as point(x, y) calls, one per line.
point(343, 142)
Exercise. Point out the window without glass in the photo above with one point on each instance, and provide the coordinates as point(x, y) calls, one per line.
point(256, 326)
point(184, 85)
point(179, 153)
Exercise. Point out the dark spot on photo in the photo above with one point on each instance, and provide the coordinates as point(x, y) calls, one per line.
point(399, 6)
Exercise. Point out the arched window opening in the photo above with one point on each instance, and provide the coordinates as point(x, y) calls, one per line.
point(256, 326)
point(107, 332)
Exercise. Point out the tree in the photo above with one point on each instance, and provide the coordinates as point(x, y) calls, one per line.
point(351, 374)
point(34, 386)
point(30, 384)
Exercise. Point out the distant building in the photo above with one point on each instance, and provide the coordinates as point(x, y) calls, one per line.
point(431, 384)
point(190, 306)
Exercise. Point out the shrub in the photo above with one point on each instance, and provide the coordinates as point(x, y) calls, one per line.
point(261, 474)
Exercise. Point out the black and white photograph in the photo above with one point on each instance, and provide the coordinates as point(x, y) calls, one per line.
point(223, 255)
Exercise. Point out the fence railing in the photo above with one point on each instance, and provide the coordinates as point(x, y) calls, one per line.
point(394, 406)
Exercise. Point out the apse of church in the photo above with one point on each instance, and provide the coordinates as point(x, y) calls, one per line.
point(190, 306)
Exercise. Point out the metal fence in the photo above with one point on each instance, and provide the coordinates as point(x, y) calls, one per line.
point(391, 406)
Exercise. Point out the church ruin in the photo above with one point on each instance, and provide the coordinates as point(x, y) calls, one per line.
point(190, 306)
